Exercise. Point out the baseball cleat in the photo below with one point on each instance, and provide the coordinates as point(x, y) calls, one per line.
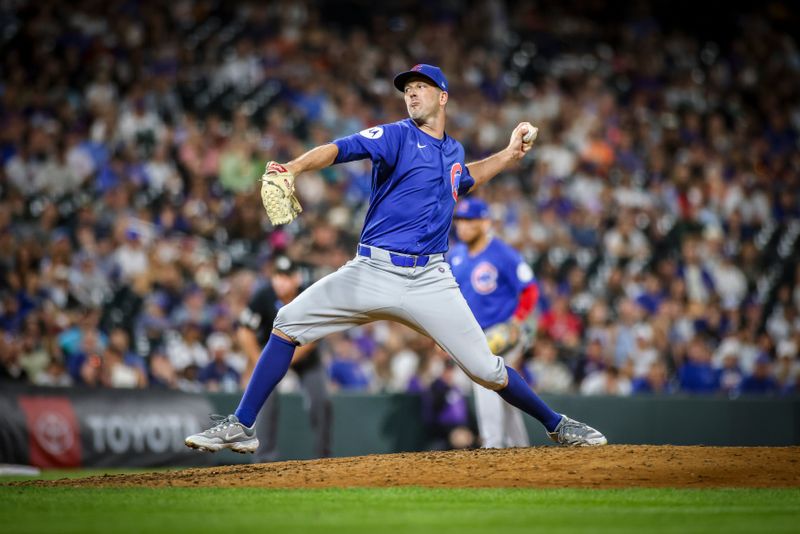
point(576, 434)
point(227, 433)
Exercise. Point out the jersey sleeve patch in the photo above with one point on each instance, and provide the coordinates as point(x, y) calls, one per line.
point(378, 143)
point(372, 133)
point(524, 272)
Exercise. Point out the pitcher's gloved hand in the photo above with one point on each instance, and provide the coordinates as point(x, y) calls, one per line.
point(277, 194)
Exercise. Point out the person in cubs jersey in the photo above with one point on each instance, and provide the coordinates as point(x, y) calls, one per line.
point(501, 291)
point(399, 272)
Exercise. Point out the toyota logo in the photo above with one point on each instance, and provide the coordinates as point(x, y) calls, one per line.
point(53, 433)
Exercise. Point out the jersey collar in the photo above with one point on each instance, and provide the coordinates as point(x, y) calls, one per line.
point(427, 136)
point(481, 251)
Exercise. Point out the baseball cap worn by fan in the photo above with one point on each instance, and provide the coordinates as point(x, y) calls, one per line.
point(284, 265)
point(472, 208)
point(431, 72)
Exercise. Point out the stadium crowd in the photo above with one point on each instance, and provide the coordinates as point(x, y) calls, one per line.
point(660, 207)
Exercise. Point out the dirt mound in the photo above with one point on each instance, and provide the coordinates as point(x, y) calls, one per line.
point(615, 466)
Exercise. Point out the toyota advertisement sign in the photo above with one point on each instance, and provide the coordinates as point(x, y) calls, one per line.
point(50, 427)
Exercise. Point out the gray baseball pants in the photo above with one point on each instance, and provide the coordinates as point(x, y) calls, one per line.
point(426, 299)
point(500, 424)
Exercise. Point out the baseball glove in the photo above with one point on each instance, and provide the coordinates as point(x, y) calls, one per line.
point(503, 337)
point(277, 194)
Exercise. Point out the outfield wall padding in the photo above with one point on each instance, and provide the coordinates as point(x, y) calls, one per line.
point(367, 424)
point(54, 427)
point(82, 427)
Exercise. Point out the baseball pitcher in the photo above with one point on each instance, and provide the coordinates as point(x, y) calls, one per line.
point(501, 291)
point(399, 272)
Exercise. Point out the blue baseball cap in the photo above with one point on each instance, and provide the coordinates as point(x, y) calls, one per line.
point(431, 72)
point(132, 233)
point(472, 208)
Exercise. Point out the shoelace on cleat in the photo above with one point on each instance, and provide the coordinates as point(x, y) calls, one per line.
point(222, 422)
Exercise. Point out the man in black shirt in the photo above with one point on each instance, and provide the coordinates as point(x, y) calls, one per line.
point(255, 325)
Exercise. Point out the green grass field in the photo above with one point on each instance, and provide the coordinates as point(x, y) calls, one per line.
point(413, 510)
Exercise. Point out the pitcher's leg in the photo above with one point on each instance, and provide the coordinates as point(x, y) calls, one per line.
point(341, 300)
point(346, 298)
point(441, 311)
point(271, 367)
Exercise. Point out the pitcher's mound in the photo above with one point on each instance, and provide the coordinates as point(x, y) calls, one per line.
point(613, 466)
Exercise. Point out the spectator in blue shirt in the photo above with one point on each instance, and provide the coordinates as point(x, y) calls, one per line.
point(730, 375)
point(219, 375)
point(697, 375)
point(654, 382)
point(345, 369)
point(761, 382)
point(652, 295)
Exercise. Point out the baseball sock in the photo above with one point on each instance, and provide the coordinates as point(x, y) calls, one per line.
point(272, 365)
point(517, 393)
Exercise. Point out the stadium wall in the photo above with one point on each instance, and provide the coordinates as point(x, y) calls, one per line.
point(82, 427)
point(370, 424)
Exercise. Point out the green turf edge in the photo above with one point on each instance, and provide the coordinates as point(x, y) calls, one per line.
point(57, 474)
point(406, 509)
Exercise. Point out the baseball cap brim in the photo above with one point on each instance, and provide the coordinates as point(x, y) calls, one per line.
point(401, 79)
point(471, 209)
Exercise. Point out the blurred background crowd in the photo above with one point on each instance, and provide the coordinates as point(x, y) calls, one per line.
point(660, 208)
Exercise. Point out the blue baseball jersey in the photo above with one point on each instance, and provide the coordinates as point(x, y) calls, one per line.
point(416, 180)
point(491, 281)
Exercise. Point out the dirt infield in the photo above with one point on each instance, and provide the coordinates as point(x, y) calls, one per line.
point(615, 466)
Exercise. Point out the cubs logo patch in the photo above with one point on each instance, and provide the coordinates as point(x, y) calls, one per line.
point(372, 133)
point(455, 178)
point(484, 278)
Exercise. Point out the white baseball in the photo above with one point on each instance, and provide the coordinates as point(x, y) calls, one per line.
point(531, 135)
